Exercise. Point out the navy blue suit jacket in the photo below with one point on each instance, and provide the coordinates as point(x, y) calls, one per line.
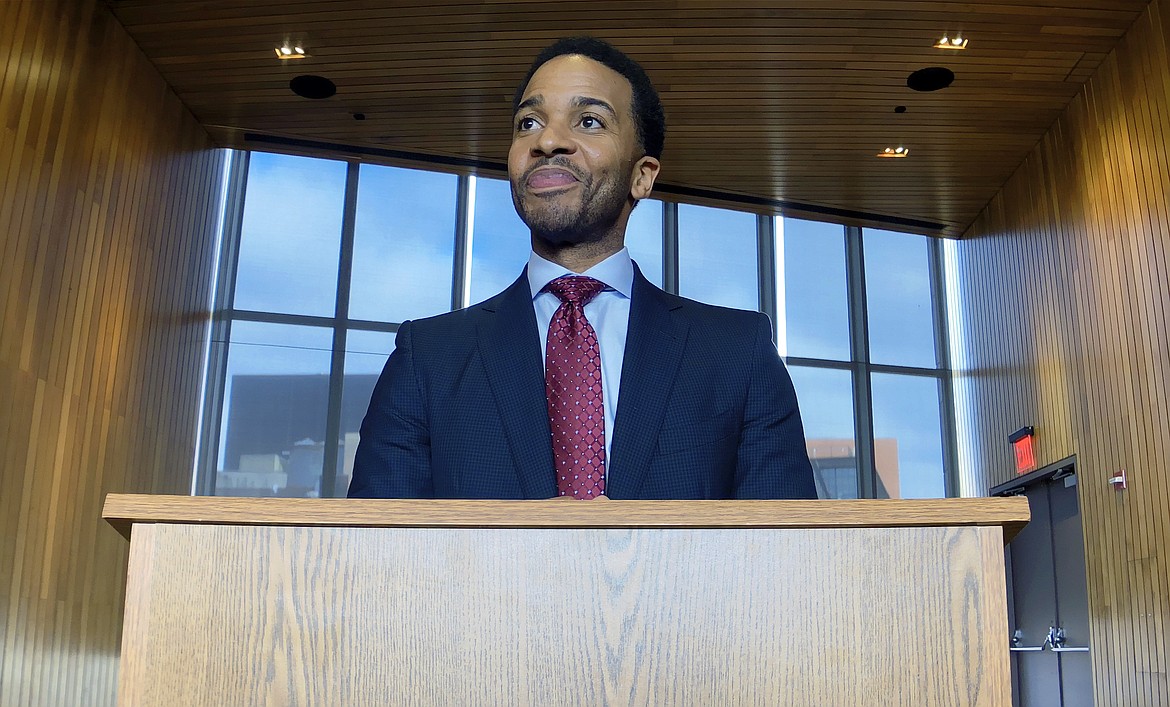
point(706, 407)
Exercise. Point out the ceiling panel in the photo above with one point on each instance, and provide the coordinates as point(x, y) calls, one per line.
point(775, 104)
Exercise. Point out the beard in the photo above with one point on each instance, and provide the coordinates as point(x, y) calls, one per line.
point(589, 220)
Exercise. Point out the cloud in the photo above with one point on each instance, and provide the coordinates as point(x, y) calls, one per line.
point(291, 237)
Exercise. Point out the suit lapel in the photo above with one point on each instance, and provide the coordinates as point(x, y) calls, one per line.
point(510, 348)
point(654, 347)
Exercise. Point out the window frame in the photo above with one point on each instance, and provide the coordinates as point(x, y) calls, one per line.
point(768, 269)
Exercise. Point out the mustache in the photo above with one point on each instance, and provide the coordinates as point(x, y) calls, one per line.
point(559, 163)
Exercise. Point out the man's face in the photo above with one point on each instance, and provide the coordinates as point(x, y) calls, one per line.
point(574, 151)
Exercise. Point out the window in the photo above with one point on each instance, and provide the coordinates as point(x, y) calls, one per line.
point(718, 259)
point(325, 259)
point(644, 239)
point(500, 242)
point(291, 235)
point(365, 355)
point(899, 299)
point(816, 297)
point(403, 244)
point(907, 430)
point(275, 406)
point(826, 409)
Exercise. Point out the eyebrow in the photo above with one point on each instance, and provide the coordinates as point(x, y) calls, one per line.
point(585, 101)
point(577, 102)
point(530, 102)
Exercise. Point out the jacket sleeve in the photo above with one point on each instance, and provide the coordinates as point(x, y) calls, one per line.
point(772, 461)
point(393, 457)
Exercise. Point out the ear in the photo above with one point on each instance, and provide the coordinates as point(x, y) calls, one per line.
point(645, 171)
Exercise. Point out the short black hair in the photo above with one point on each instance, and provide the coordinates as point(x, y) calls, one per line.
point(647, 107)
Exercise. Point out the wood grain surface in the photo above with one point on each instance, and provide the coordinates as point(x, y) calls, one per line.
point(124, 510)
point(785, 99)
point(1066, 302)
point(108, 190)
point(236, 615)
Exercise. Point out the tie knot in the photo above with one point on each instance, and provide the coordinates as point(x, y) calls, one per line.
point(575, 289)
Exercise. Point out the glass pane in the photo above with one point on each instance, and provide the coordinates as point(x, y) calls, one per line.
point(826, 408)
point(898, 297)
point(403, 244)
point(275, 403)
point(816, 301)
point(500, 241)
point(644, 239)
point(907, 430)
point(717, 256)
point(291, 235)
point(365, 355)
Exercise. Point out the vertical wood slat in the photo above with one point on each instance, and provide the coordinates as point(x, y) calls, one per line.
point(107, 211)
point(1074, 248)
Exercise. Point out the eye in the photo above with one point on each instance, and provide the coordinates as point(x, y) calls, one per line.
point(526, 123)
point(590, 122)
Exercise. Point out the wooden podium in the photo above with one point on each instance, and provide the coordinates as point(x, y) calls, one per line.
point(354, 602)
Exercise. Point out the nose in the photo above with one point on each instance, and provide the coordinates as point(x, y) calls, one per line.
point(553, 139)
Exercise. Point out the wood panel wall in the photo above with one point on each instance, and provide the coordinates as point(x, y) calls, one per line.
point(108, 195)
point(1065, 281)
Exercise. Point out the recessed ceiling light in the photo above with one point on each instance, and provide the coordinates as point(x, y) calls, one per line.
point(956, 42)
point(894, 152)
point(290, 51)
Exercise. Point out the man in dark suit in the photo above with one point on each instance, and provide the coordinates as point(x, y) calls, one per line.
point(582, 379)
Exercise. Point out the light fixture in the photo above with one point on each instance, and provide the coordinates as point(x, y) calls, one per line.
point(956, 42)
point(894, 152)
point(290, 51)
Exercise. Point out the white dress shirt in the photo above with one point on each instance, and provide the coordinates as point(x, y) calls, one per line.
point(608, 312)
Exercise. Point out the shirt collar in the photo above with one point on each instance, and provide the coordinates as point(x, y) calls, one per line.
point(616, 271)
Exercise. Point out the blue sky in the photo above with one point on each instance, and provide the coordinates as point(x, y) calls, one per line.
point(403, 268)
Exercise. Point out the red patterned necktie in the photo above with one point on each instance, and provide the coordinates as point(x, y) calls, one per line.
point(572, 382)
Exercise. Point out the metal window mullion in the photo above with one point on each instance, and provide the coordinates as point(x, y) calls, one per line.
point(341, 315)
point(230, 256)
point(947, 418)
point(946, 394)
point(859, 352)
point(766, 269)
point(368, 325)
point(819, 363)
point(251, 315)
point(460, 285)
point(670, 247)
point(221, 325)
point(903, 370)
point(221, 330)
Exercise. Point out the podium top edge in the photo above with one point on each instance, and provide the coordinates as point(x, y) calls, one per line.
point(122, 511)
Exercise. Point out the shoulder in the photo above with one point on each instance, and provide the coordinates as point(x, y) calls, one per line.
point(723, 321)
point(467, 319)
point(697, 310)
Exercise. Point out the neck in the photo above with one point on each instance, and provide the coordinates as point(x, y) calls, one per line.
point(579, 257)
point(592, 249)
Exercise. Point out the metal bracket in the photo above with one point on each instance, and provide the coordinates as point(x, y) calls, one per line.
point(1017, 648)
point(1056, 639)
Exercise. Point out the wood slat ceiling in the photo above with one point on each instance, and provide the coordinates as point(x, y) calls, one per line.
point(780, 103)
